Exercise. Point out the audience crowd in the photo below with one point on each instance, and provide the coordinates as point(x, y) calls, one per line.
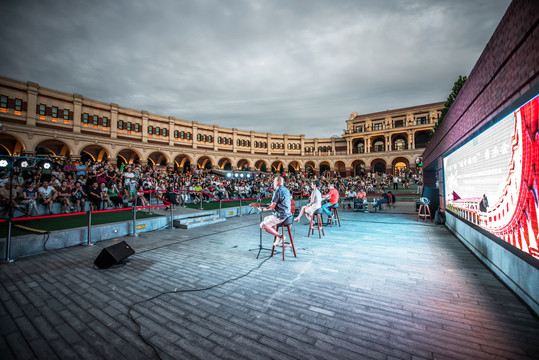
point(72, 184)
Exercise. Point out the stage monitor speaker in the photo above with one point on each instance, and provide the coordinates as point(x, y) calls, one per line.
point(113, 255)
point(433, 194)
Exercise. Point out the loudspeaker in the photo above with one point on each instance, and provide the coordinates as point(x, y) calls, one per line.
point(113, 255)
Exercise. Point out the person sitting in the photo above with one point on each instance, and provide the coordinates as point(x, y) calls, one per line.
point(114, 197)
point(281, 202)
point(384, 199)
point(47, 195)
point(64, 193)
point(77, 196)
point(29, 196)
point(314, 204)
point(361, 198)
point(94, 196)
point(333, 196)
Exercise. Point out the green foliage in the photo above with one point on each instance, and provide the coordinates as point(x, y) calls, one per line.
point(450, 99)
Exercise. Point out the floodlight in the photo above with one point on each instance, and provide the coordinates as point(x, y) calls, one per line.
point(4, 163)
point(228, 175)
point(248, 176)
point(236, 175)
point(24, 163)
point(241, 175)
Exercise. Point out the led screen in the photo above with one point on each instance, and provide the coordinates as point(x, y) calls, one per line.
point(492, 180)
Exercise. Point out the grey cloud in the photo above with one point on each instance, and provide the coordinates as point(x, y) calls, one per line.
point(297, 67)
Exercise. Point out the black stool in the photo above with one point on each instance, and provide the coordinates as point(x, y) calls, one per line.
point(334, 214)
point(287, 223)
point(318, 215)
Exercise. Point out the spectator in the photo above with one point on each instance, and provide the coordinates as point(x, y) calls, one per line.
point(333, 196)
point(64, 193)
point(47, 195)
point(29, 197)
point(77, 196)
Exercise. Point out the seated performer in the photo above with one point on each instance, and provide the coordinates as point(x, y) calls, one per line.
point(314, 204)
point(281, 203)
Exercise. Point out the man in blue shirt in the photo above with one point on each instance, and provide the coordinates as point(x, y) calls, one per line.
point(281, 202)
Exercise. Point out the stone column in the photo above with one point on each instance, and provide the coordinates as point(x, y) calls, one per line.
point(235, 140)
point(31, 105)
point(145, 123)
point(285, 145)
point(77, 112)
point(194, 138)
point(269, 144)
point(252, 143)
point(171, 129)
point(113, 120)
point(316, 152)
point(302, 141)
point(388, 143)
point(334, 152)
point(215, 136)
point(368, 145)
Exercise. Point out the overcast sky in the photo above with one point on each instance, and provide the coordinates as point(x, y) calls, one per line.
point(296, 67)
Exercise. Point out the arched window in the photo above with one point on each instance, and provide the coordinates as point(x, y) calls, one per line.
point(188, 135)
point(378, 146)
point(400, 144)
point(176, 134)
point(182, 135)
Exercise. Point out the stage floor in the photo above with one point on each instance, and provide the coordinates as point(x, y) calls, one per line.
point(382, 286)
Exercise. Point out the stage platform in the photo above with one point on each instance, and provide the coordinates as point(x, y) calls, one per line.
point(382, 286)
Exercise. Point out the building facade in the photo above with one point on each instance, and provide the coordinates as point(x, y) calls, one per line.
point(36, 120)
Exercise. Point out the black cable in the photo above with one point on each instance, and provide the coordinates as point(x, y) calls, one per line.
point(139, 329)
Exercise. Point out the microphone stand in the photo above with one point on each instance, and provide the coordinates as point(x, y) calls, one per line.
point(260, 247)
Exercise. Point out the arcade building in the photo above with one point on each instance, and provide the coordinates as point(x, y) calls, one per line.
point(37, 121)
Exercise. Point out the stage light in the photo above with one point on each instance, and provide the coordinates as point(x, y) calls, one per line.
point(228, 175)
point(248, 176)
point(4, 163)
point(235, 175)
point(241, 175)
point(24, 164)
point(47, 165)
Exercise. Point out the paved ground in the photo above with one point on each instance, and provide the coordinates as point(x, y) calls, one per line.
point(382, 286)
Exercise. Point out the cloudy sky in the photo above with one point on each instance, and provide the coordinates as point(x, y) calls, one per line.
point(278, 66)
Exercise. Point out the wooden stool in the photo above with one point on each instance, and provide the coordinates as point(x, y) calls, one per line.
point(287, 223)
point(424, 211)
point(335, 214)
point(318, 215)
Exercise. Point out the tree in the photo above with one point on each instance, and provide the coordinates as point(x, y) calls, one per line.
point(450, 99)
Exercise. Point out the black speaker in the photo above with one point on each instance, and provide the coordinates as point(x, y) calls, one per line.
point(113, 255)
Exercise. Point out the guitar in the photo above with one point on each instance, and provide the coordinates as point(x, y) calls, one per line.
point(292, 206)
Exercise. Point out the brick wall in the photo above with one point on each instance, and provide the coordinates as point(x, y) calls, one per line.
point(506, 69)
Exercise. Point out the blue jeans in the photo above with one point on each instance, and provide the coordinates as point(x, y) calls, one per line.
point(380, 202)
point(325, 208)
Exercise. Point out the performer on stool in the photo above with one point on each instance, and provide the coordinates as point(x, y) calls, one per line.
point(281, 203)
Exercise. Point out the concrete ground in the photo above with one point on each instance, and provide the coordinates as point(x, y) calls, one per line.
point(382, 286)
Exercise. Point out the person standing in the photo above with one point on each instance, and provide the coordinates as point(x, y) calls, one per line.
point(281, 202)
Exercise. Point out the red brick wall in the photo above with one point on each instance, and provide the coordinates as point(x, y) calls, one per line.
point(506, 69)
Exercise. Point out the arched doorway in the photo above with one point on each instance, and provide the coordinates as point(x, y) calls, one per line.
point(94, 153)
point(340, 167)
point(182, 163)
point(358, 146)
point(244, 165)
point(400, 166)
point(53, 147)
point(225, 164)
point(277, 167)
point(127, 156)
point(310, 167)
point(158, 158)
point(10, 145)
point(261, 166)
point(358, 167)
point(204, 162)
point(378, 166)
point(324, 166)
